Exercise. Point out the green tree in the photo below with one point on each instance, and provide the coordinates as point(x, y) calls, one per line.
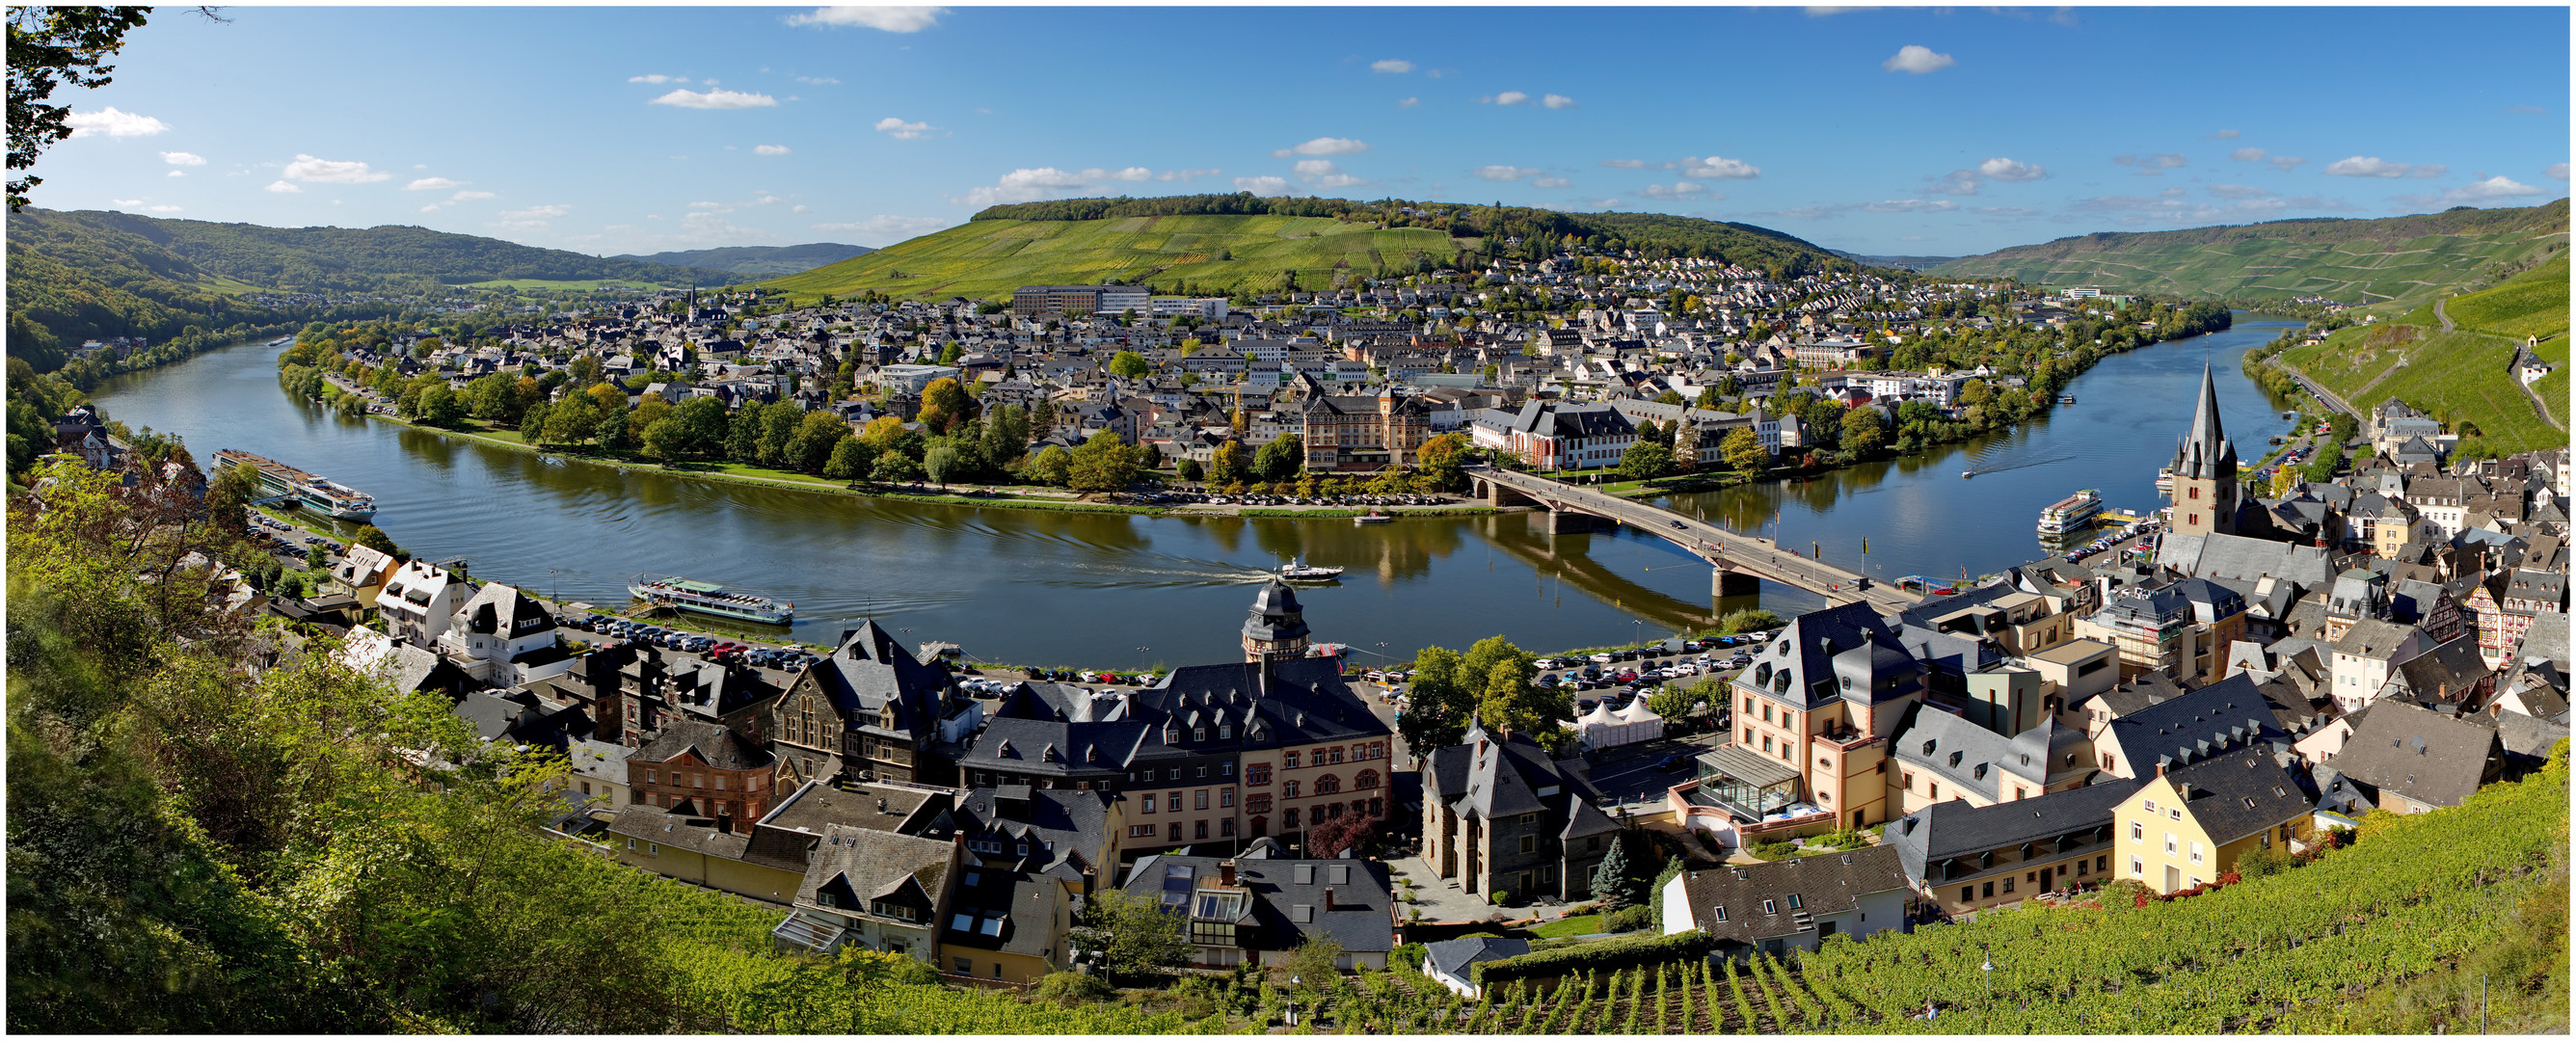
point(1612, 883)
point(945, 406)
point(1864, 433)
point(1316, 961)
point(1437, 705)
point(851, 458)
point(818, 432)
point(940, 461)
point(1443, 460)
point(1226, 464)
point(1744, 451)
point(1281, 459)
point(707, 425)
point(1006, 434)
point(665, 439)
point(1135, 935)
point(375, 538)
point(51, 47)
point(1645, 460)
point(1102, 464)
point(1129, 365)
point(1052, 465)
point(440, 406)
point(1189, 470)
point(895, 468)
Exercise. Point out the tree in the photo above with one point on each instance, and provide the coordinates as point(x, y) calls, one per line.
point(850, 459)
point(1189, 469)
point(1281, 459)
point(1863, 432)
point(440, 406)
point(939, 461)
point(1134, 935)
point(1331, 837)
point(50, 47)
point(945, 405)
point(1646, 460)
point(1226, 464)
point(1437, 706)
point(375, 538)
point(1443, 460)
point(665, 439)
point(1129, 365)
point(1317, 961)
point(1006, 434)
point(1743, 451)
point(818, 432)
point(1052, 465)
point(1611, 882)
point(895, 468)
point(1102, 464)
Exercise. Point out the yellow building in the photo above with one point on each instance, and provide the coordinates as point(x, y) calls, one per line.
point(2189, 824)
point(691, 849)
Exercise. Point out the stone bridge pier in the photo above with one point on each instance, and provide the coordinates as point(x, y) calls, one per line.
point(1498, 496)
point(1724, 581)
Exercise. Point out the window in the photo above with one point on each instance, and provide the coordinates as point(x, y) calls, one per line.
point(1257, 774)
point(1336, 753)
point(2137, 831)
point(1149, 802)
point(2267, 840)
point(1202, 830)
point(2172, 842)
point(719, 782)
point(1198, 799)
point(966, 967)
point(1287, 760)
point(1289, 820)
point(1720, 912)
point(1225, 769)
point(1529, 843)
point(2008, 883)
point(1990, 890)
point(1766, 744)
point(2083, 867)
point(1327, 785)
point(1202, 773)
point(2195, 852)
point(1909, 782)
point(2138, 867)
point(1748, 735)
point(1140, 831)
point(1967, 893)
point(1287, 789)
point(648, 777)
point(2174, 813)
point(1176, 831)
point(1225, 797)
point(630, 844)
point(1226, 827)
point(1198, 734)
point(1367, 779)
point(1794, 902)
point(652, 850)
point(1257, 802)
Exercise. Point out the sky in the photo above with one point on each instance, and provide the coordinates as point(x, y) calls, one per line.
point(1921, 131)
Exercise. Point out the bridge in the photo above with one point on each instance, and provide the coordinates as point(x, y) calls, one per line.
point(1737, 560)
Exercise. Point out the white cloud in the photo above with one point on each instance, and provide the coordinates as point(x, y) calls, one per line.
point(129, 203)
point(1184, 175)
point(2004, 211)
point(656, 78)
point(178, 173)
point(1675, 191)
point(716, 99)
point(2496, 187)
point(1029, 184)
point(885, 229)
point(534, 218)
point(1397, 65)
point(1550, 182)
point(896, 128)
point(1409, 103)
point(2238, 191)
point(2287, 163)
point(427, 184)
point(2373, 166)
point(1557, 101)
point(2002, 169)
point(1138, 173)
point(283, 187)
point(890, 19)
point(431, 208)
point(1814, 11)
point(1323, 146)
point(2248, 155)
point(1624, 164)
point(164, 208)
point(469, 196)
point(1506, 173)
point(1601, 204)
point(1956, 182)
point(1321, 173)
point(769, 150)
point(709, 206)
point(819, 81)
point(332, 171)
point(1263, 186)
point(1918, 60)
point(183, 159)
point(1716, 168)
point(1510, 97)
point(2557, 171)
point(2225, 135)
point(113, 122)
point(1910, 206)
point(2152, 165)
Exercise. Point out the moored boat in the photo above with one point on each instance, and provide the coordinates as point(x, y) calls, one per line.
point(1373, 517)
point(2070, 513)
point(708, 598)
point(323, 495)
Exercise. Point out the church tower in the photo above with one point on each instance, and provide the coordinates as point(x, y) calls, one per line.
point(2204, 470)
point(1277, 629)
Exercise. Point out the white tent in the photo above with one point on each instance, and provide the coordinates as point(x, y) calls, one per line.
point(1605, 728)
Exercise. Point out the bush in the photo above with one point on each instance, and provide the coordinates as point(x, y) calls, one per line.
point(1599, 956)
point(1410, 955)
point(2121, 894)
point(1773, 850)
point(1071, 988)
point(1845, 839)
point(2261, 862)
point(1502, 897)
point(1628, 919)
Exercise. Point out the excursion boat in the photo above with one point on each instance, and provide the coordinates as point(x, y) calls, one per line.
point(2071, 513)
point(708, 598)
point(281, 341)
point(1373, 517)
point(1297, 570)
point(2164, 481)
point(321, 494)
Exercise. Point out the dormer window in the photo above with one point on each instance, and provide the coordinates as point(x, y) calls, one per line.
point(1955, 757)
point(1198, 734)
point(1225, 731)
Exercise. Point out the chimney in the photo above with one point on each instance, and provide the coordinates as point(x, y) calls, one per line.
point(1328, 898)
point(724, 824)
point(1225, 873)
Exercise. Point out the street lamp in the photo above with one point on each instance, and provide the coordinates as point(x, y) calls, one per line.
point(1293, 982)
point(1989, 971)
point(1140, 658)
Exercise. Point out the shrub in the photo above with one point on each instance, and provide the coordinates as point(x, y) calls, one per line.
point(2261, 862)
point(1628, 919)
point(1773, 850)
point(1598, 956)
point(1845, 839)
point(1071, 988)
point(1502, 897)
point(1410, 955)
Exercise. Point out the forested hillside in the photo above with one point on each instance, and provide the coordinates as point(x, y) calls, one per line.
point(1242, 243)
point(2391, 259)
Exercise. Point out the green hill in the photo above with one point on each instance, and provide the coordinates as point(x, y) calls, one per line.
point(2403, 260)
point(86, 273)
point(756, 260)
point(1221, 243)
point(2464, 374)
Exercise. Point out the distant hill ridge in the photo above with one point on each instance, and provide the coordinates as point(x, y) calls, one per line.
point(756, 260)
point(2389, 259)
point(1243, 242)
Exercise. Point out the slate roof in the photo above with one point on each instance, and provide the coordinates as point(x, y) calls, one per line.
point(1953, 828)
point(1287, 903)
point(1843, 652)
point(873, 864)
point(2230, 713)
point(2447, 672)
point(2239, 557)
point(1063, 828)
point(1825, 884)
point(2373, 638)
point(1511, 776)
point(719, 747)
point(2240, 793)
point(1091, 751)
point(1013, 912)
point(2423, 755)
point(674, 827)
point(504, 612)
point(1453, 957)
point(870, 669)
point(1299, 701)
point(1984, 758)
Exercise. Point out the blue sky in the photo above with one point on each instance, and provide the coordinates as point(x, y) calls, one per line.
point(1929, 131)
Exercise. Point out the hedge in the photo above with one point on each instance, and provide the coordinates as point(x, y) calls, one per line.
point(1605, 956)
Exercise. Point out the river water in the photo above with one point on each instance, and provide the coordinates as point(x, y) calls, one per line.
point(1102, 590)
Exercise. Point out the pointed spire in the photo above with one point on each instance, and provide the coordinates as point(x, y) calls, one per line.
point(2206, 452)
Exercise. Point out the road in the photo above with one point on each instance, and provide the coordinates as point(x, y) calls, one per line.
point(2322, 394)
point(2438, 314)
point(1707, 541)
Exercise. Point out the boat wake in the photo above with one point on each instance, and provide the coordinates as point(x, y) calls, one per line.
point(1981, 469)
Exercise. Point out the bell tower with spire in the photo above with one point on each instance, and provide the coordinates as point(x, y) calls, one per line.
point(2205, 495)
point(1276, 631)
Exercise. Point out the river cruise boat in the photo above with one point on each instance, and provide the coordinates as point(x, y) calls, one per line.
point(280, 482)
point(2071, 513)
point(1373, 517)
point(708, 598)
point(1297, 570)
point(2164, 481)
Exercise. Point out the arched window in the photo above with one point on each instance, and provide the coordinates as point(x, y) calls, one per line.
point(1327, 784)
point(1366, 780)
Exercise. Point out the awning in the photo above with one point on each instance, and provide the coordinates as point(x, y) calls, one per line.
point(1734, 762)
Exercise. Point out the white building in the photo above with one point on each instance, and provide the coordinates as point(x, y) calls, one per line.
point(418, 603)
point(1792, 903)
point(911, 379)
point(502, 637)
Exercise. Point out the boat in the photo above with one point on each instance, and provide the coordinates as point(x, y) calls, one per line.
point(2164, 481)
point(708, 598)
point(2071, 513)
point(282, 482)
point(1297, 570)
point(281, 341)
point(1964, 474)
point(1373, 517)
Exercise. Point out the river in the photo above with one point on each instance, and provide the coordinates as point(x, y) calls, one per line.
point(1102, 590)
